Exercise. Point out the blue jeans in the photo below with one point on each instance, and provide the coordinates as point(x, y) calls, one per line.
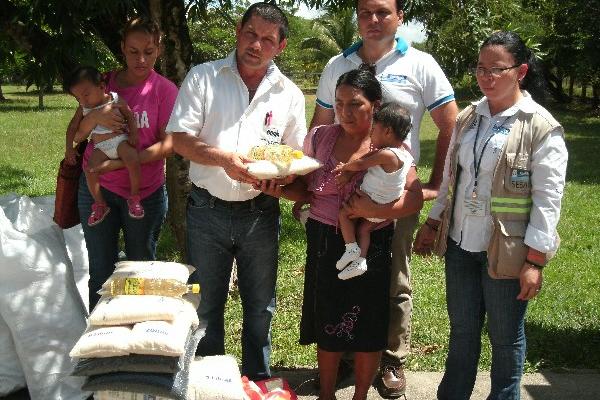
point(470, 295)
point(102, 240)
point(217, 232)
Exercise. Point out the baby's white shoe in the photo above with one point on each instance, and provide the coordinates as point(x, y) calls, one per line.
point(356, 268)
point(352, 253)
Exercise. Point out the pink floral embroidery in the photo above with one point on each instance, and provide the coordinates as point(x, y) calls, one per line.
point(345, 327)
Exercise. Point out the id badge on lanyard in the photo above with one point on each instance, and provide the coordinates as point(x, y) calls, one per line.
point(476, 206)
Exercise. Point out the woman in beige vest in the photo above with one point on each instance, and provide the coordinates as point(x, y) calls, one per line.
point(495, 216)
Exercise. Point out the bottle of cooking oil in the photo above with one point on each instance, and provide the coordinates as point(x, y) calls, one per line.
point(148, 286)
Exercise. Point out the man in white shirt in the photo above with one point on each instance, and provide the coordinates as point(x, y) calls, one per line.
point(414, 79)
point(223, 109)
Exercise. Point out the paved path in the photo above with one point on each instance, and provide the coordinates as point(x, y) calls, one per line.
point(575, 385)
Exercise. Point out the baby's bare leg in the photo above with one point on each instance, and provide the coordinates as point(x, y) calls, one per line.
point(365, 227)
point(96, 158)
point(347, 226)
point(129, 155)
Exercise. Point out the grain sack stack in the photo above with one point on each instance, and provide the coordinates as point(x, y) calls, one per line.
point(143, 333)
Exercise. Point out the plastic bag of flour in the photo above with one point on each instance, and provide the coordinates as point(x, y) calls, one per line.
point(141, 362)
point(215, 378)
point(172, 386)
point(124, 310)
point(263, 169)
point(163, 338)
point(106, 341)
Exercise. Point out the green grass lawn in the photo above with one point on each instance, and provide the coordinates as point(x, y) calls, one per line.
point(563, 323)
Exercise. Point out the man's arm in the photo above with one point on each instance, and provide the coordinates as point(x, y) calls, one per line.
point(192, 148)
point(444, 118)
point(360, 205)
point(322, 116)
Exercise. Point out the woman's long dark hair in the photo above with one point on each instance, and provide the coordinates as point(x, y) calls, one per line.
point(534, 81)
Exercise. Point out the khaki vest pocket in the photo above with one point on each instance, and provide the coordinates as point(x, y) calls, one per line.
point(507, 250)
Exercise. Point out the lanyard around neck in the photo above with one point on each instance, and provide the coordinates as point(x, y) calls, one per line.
point(476, 161)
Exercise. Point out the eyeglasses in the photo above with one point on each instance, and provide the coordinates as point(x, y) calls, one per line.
point(496, 72)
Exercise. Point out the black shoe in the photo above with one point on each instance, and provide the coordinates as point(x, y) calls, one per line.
point(345, 370)
point(390, 382)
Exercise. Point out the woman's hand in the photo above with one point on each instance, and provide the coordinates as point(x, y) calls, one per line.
point(71, 155)
point(343, 178)
point(270, 187)
point(425, 239)
point(106, 116)
point(274, 187)
point(360, 205)
point(530, 279)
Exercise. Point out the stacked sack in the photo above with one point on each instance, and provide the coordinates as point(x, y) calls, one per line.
point(142, 341)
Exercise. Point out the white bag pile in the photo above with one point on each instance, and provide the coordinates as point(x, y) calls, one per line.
point(140, 343)
point(41, 311)
point(211, 378)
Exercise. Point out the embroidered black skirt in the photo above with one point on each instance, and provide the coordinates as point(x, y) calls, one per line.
point(345, 315)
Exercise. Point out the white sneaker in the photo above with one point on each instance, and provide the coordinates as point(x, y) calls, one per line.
point(352, 253)
point(356, 268)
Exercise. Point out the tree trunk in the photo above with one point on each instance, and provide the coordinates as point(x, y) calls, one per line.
point(40, 97)
point(555, 85)
point(2, 98)
point(595, 95)
point(583, 91)
point(176, 60)
point(571, 86)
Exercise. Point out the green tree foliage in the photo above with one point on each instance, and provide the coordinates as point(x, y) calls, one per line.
point(330, 35)
point(52, 38)
point(456, 29)
point(572, 42)
point(213, 36)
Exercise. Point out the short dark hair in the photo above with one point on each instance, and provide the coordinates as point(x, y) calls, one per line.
point(144, 25)
point(395, 116)
point(399, 5)
point(534, 81)
point(364, 81)
point(80, 74)
point(271, 13)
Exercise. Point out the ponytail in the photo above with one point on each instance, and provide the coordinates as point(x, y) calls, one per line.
point(534, 81)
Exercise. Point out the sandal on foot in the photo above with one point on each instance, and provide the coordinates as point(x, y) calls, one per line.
point(99, 212)
point(135, 207)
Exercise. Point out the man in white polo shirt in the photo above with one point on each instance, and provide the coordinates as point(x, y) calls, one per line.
point(414, 79)
point(223, 109)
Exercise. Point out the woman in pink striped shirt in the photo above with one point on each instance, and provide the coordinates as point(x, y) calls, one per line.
point(346, 315)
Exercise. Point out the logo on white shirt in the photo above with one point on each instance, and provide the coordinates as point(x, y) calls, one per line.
point(393, 78)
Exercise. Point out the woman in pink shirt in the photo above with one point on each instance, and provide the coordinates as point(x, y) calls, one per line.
point(150, 97)
point(345, 315)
